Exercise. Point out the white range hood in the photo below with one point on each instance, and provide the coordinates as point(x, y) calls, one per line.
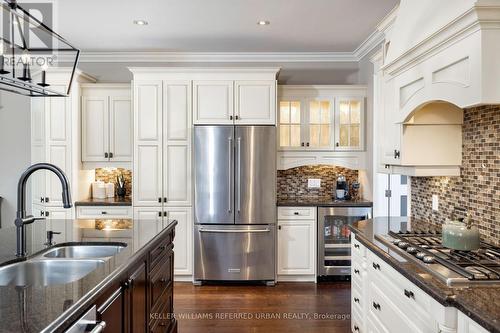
point(445, 51)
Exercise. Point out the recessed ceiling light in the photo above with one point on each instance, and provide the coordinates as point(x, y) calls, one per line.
point(140, 22)
point(262, 22)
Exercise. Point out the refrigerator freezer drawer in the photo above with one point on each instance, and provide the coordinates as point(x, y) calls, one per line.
point(234, 252)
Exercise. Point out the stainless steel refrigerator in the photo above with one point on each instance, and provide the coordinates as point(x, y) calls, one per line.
point(235, 203)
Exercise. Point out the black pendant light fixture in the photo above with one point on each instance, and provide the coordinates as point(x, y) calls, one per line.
point(29, 50)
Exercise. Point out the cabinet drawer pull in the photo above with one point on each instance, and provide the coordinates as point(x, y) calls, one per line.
point(46, 199)
point(397, 154)
point(296, 213)
point(356, 299)
point(159, 200)
point(409, 294)
point(230, 117)
point(159, 214)
point(110, 155)
point(356, 271)
point(356, 246)
point(302, 144)
point(104, 213)
point(376, 266)
point(356, 328)
point(106, 155)
point(165, 199)
point(376, 306)
point(41, 199)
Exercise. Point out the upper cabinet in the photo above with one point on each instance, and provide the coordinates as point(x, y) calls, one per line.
point(321, 125)
point(316, 118)
point(232, 96)
point(106, 114)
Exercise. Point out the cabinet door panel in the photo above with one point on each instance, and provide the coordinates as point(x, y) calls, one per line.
point(138, 319)
point(148, 175)
point(95, 124)
point(183, 241)
point(213, 102)
point(296, 247)
point(37, 121)
point(255, 102)
point(59, 156)
point(148, 111)
point(177, 175)
point(120, 129)
point(177, 96)
point(111, 312)
point(58, 120)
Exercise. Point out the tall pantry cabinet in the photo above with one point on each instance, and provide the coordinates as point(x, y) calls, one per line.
point(55, 139)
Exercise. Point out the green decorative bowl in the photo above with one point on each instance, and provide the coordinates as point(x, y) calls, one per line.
point(457, 236)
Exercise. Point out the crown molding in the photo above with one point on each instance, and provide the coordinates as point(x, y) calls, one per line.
point(369, 44)
point(214, 57)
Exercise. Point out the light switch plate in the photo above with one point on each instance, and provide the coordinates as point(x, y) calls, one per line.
point(313, 183)
point(435, 202)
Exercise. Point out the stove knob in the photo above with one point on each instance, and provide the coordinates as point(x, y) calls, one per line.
point(411, 249)
point(428, 259)
point(403, 245)
point(420, 255)
point(396, 241)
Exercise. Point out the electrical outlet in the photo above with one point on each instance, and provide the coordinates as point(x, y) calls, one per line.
point(313, 183)
point(435, 202)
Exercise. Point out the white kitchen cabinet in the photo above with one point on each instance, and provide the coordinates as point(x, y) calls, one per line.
point(240, 102)
point(349, 124)
point(213, 102)
point(383, 300)
point(183, 241)
point(106, 123)
point(148, 150)
point(54, 123)
point(151, 220)
point(255, 102)
point(467, 325)
point(296, 244)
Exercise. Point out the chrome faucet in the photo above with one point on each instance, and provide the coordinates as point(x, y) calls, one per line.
point(21, 218)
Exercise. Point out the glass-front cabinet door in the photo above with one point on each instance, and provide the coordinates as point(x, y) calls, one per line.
point(320, 124)
point(290, 133)
point(349, 119)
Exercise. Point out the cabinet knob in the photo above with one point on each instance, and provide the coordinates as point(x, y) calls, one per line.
point(376, 306)
point(104, 213)
point(356, 246)
point(295, 213)
point(159, 200)
point(106, 155)
point(356, 328)
point(302, 144)
point(230, 117)
point(42, 213)
point(397, 154)
point(236, 117)
point(307, 144)
point(165, 199)
point(337, 144)
point(159, 214)
point(41, 199)
point(356, 271)
point(46, 213)
point(279, 227)
point(165, 214)
point(46, 199)
point(356, 299)
point(110, 155)
point(376, 266)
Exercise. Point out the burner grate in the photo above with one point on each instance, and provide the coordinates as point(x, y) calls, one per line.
point(483, 264)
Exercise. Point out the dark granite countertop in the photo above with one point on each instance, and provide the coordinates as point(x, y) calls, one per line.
point(44, 308)
point(323, 201)
point(481, 303)
point(116, 201)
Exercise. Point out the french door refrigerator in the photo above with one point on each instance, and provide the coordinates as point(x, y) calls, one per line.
point(235, 203)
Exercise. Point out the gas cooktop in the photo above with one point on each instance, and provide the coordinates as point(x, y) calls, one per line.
point(455, 268)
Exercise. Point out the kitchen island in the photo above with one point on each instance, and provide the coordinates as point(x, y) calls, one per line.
point(477, 305)
point(132, 290)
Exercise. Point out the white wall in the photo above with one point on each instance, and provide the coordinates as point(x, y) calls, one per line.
point(15, 149)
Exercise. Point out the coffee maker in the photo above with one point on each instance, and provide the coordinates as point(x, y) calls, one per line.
point(342, 189)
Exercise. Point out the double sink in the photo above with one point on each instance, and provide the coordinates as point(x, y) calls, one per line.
point(59, 265)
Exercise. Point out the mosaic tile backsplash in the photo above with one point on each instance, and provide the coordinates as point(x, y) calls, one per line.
point(478, 187)
point(108, 175)
point(292, 183)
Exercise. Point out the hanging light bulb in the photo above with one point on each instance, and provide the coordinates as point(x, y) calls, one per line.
point(44, 76)
point(25, 58)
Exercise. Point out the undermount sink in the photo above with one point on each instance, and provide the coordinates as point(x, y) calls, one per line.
point(84, 251)
point(46, 272)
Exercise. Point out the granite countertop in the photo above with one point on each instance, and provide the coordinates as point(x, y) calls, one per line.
point(481, 303)
point(116, 201)
point(323, 201)
point(38, 308)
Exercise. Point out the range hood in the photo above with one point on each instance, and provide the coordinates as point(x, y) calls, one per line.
point(438, 57)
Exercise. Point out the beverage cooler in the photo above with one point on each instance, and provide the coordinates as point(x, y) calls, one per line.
point(334, 238)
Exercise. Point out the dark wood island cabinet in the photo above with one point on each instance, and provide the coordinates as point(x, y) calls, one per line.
point(141, 299)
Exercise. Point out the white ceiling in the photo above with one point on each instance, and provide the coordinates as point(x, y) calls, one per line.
point(220, 25)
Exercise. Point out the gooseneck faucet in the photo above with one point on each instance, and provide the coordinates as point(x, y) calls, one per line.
point(21, 218)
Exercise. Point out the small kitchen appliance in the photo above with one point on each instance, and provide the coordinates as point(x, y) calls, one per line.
point(342, 188)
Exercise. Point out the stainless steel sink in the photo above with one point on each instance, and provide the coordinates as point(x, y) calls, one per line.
point(84, 251)
point(46, 272)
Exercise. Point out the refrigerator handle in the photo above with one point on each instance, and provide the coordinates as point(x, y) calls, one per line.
point(239, 174)
point(230, 147)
